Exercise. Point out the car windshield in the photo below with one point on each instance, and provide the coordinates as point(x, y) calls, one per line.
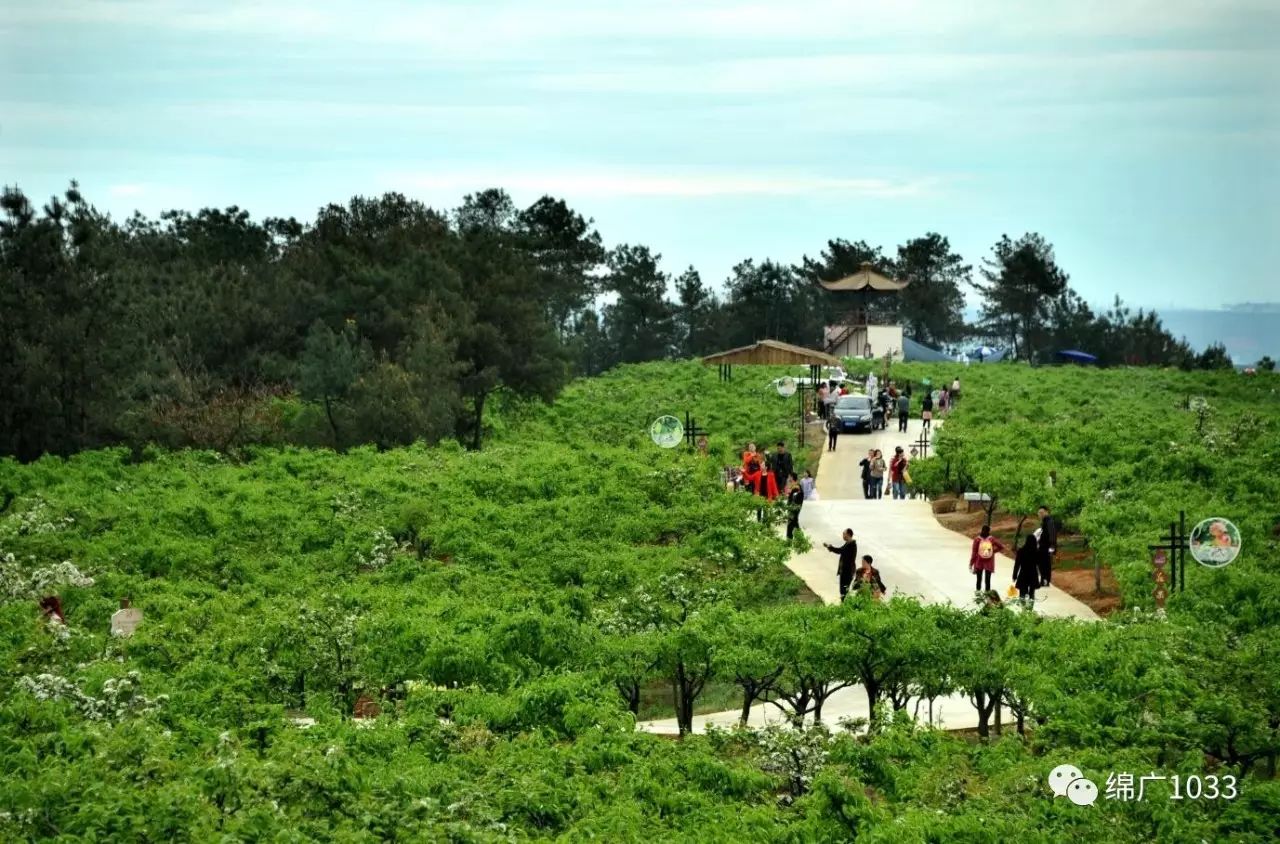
point(854, 402)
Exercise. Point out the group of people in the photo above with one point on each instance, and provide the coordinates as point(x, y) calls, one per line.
point(889, 402)
point(875, 470)
point(851, 575)
point(772, 474)
point(1032, 563)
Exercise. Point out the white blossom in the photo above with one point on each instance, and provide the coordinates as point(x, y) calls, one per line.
point(27, 581)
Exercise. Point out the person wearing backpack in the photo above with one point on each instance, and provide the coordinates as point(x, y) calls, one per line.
point(982, 558)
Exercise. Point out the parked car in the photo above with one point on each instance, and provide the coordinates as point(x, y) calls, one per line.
point(854, 413)
point(832, 376)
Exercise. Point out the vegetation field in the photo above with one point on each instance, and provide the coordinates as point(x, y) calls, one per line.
point(504, 609)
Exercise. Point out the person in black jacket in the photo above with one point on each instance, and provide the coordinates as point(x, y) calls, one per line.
point(795, 500)
point(1048, 544)
point(865, 463)
point(783, 466)
point(1026, 570)
point(833, 431)
point(848, 554)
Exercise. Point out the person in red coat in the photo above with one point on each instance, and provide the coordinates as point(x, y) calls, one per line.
point(756, 480)
point(982, 559)
point(770, 476)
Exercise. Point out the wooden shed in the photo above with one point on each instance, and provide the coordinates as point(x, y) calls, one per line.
point(772, 353)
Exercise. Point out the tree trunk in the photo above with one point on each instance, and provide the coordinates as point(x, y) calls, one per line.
point(747, 698)
point(631, 694)
point(1017, 534)
point(333, 424)
point(873, 695)
point(477, 435)
point(999, 719)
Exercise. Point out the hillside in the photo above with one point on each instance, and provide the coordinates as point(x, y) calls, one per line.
point(502, 610)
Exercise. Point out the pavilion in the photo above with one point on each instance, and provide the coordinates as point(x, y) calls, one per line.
point(854, 335)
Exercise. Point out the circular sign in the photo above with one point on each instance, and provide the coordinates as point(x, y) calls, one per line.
point(666, 431)
point(1215, 542)
point(1159, 559)
point(786, 386)
point(1197, 403)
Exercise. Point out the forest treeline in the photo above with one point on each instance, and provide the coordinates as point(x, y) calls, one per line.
point(385, 321)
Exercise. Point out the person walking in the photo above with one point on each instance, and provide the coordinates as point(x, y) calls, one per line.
point(865, 463)
point(1026, 570)
point(982, 558)
point(872, 384)
point(807, 486)
point(926, 411)
point(897, 474)
point(1048, 544)
point(869, 576)
point(955, 391)
point(833, 431)
point(783, 465)
point(878, 468)
point(822, 400)
point(904, 412)
point(944, 401)
point(749, 455)
point(844, 568)
point(795, 500)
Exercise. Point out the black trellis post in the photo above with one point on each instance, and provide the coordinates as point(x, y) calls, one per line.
point(691, 429)
point(801, 389)
point(920, 447)
point(1176, 544)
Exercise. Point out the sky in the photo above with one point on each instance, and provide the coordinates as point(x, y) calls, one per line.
point(1140, 137)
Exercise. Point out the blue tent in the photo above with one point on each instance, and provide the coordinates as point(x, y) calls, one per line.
point(1076, 356)
point(911, 350)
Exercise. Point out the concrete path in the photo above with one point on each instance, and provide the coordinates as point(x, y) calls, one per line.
point(916, 555)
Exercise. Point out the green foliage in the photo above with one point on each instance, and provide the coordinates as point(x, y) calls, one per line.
point(503, 608)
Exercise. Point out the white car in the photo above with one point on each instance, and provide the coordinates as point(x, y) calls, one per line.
point(830, 375)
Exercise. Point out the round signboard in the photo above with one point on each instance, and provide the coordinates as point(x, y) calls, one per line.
point(786, 386)
point(666, 431)
point(1197, 403)
point(1215, 542)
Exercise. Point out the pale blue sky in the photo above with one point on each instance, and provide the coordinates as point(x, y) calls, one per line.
point(1140, 137)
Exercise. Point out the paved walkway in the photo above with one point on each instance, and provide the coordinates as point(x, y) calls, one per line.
point(916, 556)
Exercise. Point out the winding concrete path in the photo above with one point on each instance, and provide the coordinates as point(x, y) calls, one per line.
point(916, 555)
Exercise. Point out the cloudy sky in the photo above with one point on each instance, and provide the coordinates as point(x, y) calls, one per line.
point(1139, 136)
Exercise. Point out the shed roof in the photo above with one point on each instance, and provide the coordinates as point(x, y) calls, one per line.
point(772, 353)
